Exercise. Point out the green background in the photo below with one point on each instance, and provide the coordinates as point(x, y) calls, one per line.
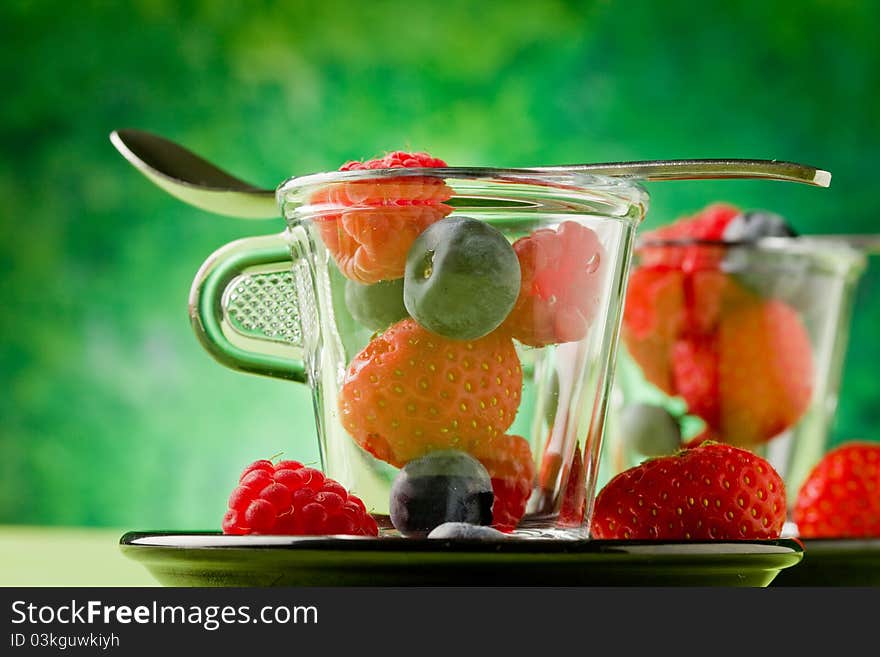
point(112, 415)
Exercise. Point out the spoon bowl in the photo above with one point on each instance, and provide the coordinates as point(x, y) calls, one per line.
point(191, 178)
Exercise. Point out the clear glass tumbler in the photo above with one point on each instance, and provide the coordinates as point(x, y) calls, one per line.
point(740, 342)
point(321, 303)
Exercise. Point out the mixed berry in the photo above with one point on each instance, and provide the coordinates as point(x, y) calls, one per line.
point(706, 329)
point(450, 301)
point(698, 330)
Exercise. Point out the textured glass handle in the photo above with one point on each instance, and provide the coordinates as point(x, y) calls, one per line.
point(244, 311)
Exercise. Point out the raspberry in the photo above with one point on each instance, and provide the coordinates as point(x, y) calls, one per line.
point(561, 279)
point(395, 160)
point(290, 498)
point(410, 392)
point(369, 225)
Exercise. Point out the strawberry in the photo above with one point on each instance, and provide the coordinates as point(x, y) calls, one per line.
point(765, 372)
point(510, 464)
point(840, 498)
point(369, 225)
point(714, 491)
point(410, 392)
point(561, 282)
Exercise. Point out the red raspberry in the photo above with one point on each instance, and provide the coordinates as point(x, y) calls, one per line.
point(510, 464)
point(561, 280)
point(289, 498)
point(396, 160)
point(369, 225)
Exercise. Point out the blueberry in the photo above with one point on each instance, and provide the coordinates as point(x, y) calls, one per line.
point(375, 306)
point(462, 278)
point(466, 531)
point(756, 224)
point(444, 486)
point(650, 430)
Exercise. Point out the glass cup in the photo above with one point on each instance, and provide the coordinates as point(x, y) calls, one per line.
point(528, 399)
point(739, 342)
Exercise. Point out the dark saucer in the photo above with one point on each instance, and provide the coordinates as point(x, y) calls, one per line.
point(212, 559)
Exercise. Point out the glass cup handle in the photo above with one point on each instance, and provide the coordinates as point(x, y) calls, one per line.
point(244, 310)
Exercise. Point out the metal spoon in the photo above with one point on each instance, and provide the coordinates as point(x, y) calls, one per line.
point(196, 181)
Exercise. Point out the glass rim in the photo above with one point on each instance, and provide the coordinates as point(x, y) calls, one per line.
point(626, 188)
point(797, 245)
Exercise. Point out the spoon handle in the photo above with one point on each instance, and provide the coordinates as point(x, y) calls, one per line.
point(705, 169)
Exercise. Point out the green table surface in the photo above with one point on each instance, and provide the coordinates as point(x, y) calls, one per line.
point(51, 556)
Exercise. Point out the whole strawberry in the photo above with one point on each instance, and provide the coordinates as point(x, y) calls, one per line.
point(411, 391)
point(841, 496)
point(711, 492)
point(289, 498)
